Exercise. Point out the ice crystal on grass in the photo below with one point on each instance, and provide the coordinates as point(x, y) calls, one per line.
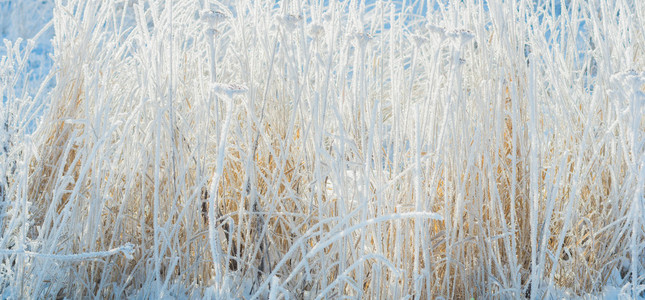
point(438, 30)
point(289, 21)
point(213, 17)
point(316, 30)
point(419, 40)
point(462, 35)
point(211, 33)
point(229, 89)
point(362, 38)
point(630, 79)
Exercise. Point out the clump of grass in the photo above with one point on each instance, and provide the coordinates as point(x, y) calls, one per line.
point(292, 150)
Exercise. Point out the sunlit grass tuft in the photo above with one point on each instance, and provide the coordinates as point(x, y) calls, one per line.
point(271, 150)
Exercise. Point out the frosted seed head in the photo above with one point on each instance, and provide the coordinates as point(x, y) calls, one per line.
point(316, 30)
point(213, 17)
point(289, 21)
point(438, 30)
point(362, 38)
point(292, 18)
point(636, 79)
point(211, 32)
point(419, 40)
point(463, 35)
point(631, 80)
point(229, 89)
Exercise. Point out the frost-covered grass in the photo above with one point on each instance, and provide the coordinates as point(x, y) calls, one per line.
point(263, 149)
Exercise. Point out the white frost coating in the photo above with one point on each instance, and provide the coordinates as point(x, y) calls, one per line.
point(127, 250)
point(462, 35)
point(211, 32)
point(630, 78)
point(439, 30)
point(419, 40)
point(289, 21)
point(343, 233)
point(213, 17)
point(229, 89)
point(362, 38)
point(316, 30)
point(275, 288)
point(531, 151)
point(213, 234)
